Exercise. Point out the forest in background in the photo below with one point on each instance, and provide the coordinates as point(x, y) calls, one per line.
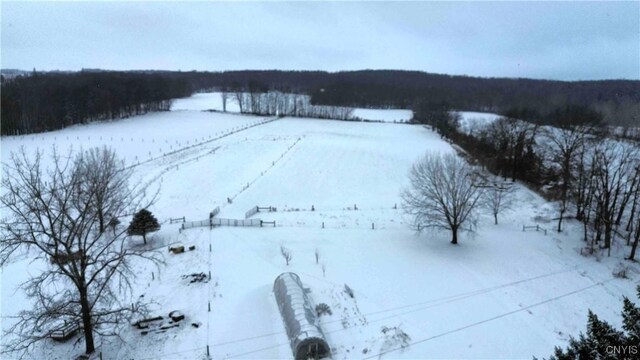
point(43, 101)
point(48, 101)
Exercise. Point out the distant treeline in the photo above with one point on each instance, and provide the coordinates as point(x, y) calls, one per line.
point(617, 101)
point(48, 101)
point(276, 103)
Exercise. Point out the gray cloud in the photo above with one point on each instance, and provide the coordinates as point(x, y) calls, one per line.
point(569, 41)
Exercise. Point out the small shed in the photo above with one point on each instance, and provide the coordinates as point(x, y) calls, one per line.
point(300, 320)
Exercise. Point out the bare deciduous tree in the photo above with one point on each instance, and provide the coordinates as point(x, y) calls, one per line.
point(614, 165)
point(286, 254)
point(442, 194)
point(573, 128)
point(240, 98)
point(566, 142)
point(636, 237)
point(513, 142)
point(498, 197)
point(105, 183)
point(224, 95)
point(50, 214)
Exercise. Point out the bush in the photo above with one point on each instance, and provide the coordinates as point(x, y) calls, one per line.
point(323, 309)
point(621, 271)
point(349, 291)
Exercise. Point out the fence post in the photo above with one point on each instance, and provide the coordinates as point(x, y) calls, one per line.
point(323, 224)
point(372, 226)
point(209, 247)
point(207, 350)
point(537, 227)
point(522, 228)
point(209, 306)
point(153, 277)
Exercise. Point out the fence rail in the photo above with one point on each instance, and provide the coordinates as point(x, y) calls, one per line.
point(534, 227)
point(256, 209)
point(222, 222)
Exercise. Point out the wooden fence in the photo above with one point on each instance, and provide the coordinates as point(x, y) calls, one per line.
point(534, 227)
point(222, 222)
point(256, 209)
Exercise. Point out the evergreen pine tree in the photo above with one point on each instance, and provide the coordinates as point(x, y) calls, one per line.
point(631, 321)
point(601, 337)
point(143, 223)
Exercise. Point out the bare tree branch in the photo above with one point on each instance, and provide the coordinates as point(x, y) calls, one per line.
point(60, 212)
point(442, 194)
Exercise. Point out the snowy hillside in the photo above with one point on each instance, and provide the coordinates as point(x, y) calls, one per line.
point(474, 121)
point(384, 115)
point(502, 293)
point(203, 102)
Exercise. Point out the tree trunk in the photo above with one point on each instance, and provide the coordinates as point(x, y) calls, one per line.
point(454, 232)
point(632, 256)
point(560, 221)
point(86, 321)
point(633, 209)
point(608, 230)
point(144, 237)
point(224, 102)
point(101, 220)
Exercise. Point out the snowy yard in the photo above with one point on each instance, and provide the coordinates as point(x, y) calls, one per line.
point(502, 293)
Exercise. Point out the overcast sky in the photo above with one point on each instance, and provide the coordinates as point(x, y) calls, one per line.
point(566, 41)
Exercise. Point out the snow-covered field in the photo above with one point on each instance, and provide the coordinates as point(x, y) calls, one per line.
point(213, 101)
point(471, 121)
point(203, 102)
point(502, 293)
point(384, 115)
point(137, 139)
